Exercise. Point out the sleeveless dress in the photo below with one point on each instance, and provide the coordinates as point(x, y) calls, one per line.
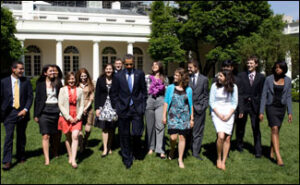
point(63, 124)
point(178, 115)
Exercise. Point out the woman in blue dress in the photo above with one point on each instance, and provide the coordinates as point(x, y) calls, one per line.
point(179, 106)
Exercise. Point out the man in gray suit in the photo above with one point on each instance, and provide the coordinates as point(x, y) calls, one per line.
point(199, 85)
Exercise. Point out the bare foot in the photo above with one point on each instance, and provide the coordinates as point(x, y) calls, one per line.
point(150, 152)
point(74, 165)
point(223, 167)
point(47, 163)
point(219, 164)
point(110, 152)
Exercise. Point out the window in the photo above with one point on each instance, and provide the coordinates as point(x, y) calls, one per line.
point(106, 4)
point(109, 55)
point(138, 58)
point(71, 59)
point(32, 61)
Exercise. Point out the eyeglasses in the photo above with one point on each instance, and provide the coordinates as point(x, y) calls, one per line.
point(128, 64)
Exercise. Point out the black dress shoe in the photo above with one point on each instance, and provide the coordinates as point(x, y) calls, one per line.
point(198, 157)
point(258, 155)
point(6, 166)
point(128, 166)
point(240, 149)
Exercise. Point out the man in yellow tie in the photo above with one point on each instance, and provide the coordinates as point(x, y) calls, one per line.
point(16, 100)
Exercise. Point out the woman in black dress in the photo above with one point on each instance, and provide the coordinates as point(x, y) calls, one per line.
point(276, 97)
point(103, 86)
point(46, 111)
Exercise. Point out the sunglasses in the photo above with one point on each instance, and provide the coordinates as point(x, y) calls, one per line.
point(128, 64)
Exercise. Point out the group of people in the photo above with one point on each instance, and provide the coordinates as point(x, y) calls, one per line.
point(181, 106)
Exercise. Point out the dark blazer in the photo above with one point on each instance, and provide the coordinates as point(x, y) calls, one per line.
point(268, 93)
point(26, 96)
point(122, 94)
point(250, 94)
point(41, 97)
point(200, 94)
point(102, 92)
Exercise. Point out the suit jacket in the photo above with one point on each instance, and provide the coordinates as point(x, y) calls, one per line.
point(250, 94)
point(268, 93)
point(122, 95)
point(102, 92)
point(200, 94)
point(41, 97)
point(64, 105)
point(26, 96)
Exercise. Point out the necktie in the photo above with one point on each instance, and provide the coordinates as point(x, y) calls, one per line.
point(130, 86)
point(251, 79)
point(194, 80)
point(16, 95)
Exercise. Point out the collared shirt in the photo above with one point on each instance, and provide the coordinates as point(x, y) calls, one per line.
point(254, 73)
point(13, 80)
point(196, 77)
point(131, 75)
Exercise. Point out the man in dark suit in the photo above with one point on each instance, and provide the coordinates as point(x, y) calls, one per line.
point(251, 83)
point(118, 64)
point(199, 85)
point(130, 95)
point(16, 100)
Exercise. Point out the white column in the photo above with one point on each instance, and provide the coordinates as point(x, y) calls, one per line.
point(22, 58)
point(130, 47)
point(288, 61)
point(96, 64)
point(59, 54)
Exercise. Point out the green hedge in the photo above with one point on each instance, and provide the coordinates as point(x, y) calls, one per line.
point(295, 95)
point(33, 82)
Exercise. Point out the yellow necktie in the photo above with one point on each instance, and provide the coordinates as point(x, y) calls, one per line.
point(17, 95)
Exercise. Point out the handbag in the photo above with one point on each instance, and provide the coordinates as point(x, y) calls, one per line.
point(107, 113)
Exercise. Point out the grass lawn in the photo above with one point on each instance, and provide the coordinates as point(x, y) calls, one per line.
point(241, 168)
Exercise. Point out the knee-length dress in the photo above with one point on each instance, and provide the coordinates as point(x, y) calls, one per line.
point(67, 126)
point(276, 111)
point(178, 115)
point(223, 102)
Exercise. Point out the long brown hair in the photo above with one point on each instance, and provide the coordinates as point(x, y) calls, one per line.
point(160, 70)
point(228, 85)
point(67, 77)
point(89, 80)
point(184, 80)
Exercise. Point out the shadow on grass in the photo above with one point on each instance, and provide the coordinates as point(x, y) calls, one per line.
point(211, 150)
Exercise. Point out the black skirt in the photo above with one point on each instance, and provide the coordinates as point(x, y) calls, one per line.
point(48, 120)
point(275, 115)
point(105, 124)
point(184, 132)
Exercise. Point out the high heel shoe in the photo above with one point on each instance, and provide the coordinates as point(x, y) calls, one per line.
point(180, 164)
point(104, 154)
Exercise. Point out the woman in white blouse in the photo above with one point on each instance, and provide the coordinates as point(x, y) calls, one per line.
point(223, 102)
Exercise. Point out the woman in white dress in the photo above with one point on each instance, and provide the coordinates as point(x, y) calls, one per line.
point(223, 102)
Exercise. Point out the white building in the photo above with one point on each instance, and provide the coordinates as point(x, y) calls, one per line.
point(292, 28)
point(75, 37)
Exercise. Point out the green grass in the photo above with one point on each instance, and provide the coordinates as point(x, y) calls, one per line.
point(241, 168)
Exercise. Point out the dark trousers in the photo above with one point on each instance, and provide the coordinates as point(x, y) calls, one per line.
point(133, 119)
point(198, 132)
point(10, 122)
point(240, 130)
